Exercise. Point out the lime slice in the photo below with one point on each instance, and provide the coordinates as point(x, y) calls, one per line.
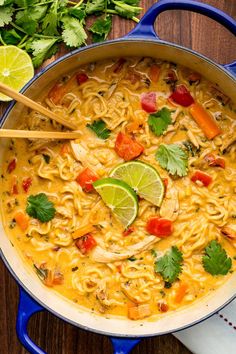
point(119, 197)
point(16, 68)
point(143, 178)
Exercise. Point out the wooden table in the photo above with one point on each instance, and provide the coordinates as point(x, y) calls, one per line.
point(53, 335)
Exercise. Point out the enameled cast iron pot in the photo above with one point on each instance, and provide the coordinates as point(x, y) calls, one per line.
point(34, 297)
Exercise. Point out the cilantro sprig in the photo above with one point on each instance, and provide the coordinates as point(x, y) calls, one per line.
point(159, 121)
point(39, 207)
point(215, 260)
point(38, 26)
point(100, 129)
point(173, 159)
point(170, 265)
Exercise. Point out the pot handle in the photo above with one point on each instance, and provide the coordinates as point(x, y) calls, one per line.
point(145, 28)
point(26, 308)
point(123, 345)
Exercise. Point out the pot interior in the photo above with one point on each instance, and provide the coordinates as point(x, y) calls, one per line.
point(28, 279)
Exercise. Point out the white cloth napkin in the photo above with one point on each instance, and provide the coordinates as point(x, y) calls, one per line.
point(217, 335)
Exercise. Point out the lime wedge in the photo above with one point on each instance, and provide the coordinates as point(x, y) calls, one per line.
point(16, 68)
point(143, 178)
point(119, 197)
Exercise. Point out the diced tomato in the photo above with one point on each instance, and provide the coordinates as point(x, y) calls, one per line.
point(86, 179)
point(86, 243)
point(212, 160)
point(182, 96)
point(203, 177)
point(119, 65)
point(11, 166)
point(162, 306)
point(154, 72)
point(127, 148)
point(26, 183)
point(56, 93)
point(159, 227)
point(128, 231)
point(81, 78)
point(148, 102)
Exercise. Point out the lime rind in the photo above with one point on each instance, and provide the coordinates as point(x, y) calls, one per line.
point(119, 197)
point(143, 178)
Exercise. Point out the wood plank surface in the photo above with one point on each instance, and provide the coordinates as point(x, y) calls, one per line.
point(53, 335)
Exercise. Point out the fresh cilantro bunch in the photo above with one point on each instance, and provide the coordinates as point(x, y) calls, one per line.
point(215, 260)
point(173, 159)
point(170, 265)
point(38, 26)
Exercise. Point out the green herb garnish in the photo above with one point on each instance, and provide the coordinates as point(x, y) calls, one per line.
point(100, 129)
point(100, 28)
point(159, 121)
point(46, 158)
point(215, 260)
point(41, 273)
point(173, 159)
point(39, 207)
point(170, 265)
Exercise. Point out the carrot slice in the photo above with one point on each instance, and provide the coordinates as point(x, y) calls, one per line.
point(204, 120)
point(83, 230)
point(181, 291)
point(22, 220)
point(139, 312)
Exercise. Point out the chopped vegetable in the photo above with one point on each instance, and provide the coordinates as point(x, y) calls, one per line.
point(148, 102)
point(46, 158)
point(170, 265)
point(128, 231)
point(173, 159)
point(83, 230)
point(162, 306)
point(41, 272)
point(190, 148)
point(22, 220)
point(154, 73)
point(159, 227)
point(26, 183)
point(14, 186)
point(181, 292)
point(127, 148)
point(86, 243)
point(59, 90)
point(159, 121)
point(11, 166)
point(138, 312)
point(86, 179)
point(213, 160)
point(100, 129)
point(205, 121)
point(202, 177)
point(215, 260)
point(182, 96)
point(39, 207)
point(81, 78)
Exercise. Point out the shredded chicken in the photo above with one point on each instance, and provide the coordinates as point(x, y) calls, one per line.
point(231, 139)
point(101, 255)
point(82, 155)
point(170, 205)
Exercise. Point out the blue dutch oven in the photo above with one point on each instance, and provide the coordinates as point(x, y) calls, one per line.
point(34, 296)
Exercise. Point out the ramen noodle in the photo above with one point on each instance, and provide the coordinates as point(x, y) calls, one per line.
point(78, 247)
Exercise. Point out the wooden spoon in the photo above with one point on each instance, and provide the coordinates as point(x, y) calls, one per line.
point(6, 90)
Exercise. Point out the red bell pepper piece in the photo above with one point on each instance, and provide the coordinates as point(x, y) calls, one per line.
point(127, 148)
point(148, 102)
point(81, 78)
point(159, 227)
point(213, 160)
point(26, 183)
point(86, 243)
point(11, 166)
point(128, 231)
point(182, 96)
point(86, 179)
point(202, 177)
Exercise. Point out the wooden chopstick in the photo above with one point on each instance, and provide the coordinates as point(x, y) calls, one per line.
point(11, 133)
point(36, 106)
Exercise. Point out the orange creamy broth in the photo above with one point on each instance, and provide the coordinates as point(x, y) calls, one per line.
point(115, 97)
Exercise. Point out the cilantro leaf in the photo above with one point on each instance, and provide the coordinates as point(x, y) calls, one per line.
point(94, 6)
point(78, 12)
point(170, 265)
point(41, 273)
point(46, 158)
point(125, 10)
point(73, 34)
point(50, 21)
point(100, 129)
point(10, 37)
point(39, 207)
point(24, 19)
point(100, 28)
point(42, 49)
point(159, 121)
point(173, 159)
point(5, 15)
point(215, 261)
point(25, 3)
